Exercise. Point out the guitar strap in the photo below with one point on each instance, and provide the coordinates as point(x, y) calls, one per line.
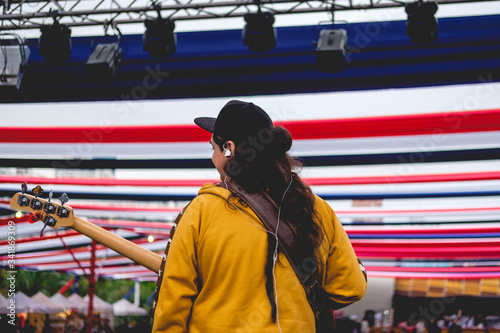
point(304, 266)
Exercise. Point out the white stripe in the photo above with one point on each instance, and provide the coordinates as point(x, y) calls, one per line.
point(352, 104)
point(395, 144)
point(391, 171)
point(411, 228)
point(187, 150)
point(412, 188)
point(385, 170)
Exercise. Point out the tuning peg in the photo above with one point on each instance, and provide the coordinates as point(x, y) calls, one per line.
point(35, 203)
point(62, 211)
point(24, 187)
point(23, 200)
point(64, 198)
point(37, 191)
point(48, 207)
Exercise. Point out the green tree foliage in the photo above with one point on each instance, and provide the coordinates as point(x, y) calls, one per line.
point(30, 282)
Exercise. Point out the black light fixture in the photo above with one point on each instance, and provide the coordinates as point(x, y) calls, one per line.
point(259, 34)
point(14, 54)
point(103, 63)
point(330, 50)
point(421, 25)
point(159, 39)
point(54, 43)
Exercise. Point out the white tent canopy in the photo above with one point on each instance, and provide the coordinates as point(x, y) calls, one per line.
point(124, 307)
point(51, 305)
point(77, 302)
point(26, 304)
point(100, 305)
point(62, 301)
point(3, 304)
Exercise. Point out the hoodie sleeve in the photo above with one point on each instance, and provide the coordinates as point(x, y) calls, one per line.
point(345, 279)
point(179, 284)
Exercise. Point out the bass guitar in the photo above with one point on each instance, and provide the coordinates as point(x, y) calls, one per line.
point(56, 215)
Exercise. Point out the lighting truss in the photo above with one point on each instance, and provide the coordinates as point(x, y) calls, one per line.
point(32, 14)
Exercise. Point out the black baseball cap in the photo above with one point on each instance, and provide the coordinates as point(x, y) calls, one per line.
point(236, 121)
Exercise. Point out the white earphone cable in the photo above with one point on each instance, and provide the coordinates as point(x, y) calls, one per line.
point(275, 255)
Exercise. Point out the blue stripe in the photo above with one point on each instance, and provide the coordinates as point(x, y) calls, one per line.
point(187, 197)
point(311, 161)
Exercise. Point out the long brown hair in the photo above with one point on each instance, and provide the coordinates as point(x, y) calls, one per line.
point(261, 163)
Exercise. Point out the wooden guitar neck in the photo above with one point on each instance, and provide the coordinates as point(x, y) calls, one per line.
point(134, 252)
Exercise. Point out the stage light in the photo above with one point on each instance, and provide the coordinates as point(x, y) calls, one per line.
point(159, 39)
point(54, 43)
point(259, 34)
point(151, 239)
point(421, 25)
point(14, 56)
point(18, 214)
point(102, 64)
point(330, 50)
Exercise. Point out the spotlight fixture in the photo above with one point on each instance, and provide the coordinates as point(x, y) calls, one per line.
point(259, 34)
point(159, 39)
point(421, 25)
point(330, 50)
point(55, 43)
point(14, 56)
point(102, 64)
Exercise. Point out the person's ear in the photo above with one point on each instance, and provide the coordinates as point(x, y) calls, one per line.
point(229, 148)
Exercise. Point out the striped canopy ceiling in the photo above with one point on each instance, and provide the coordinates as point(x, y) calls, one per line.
point(412, 173)
point(418, 194)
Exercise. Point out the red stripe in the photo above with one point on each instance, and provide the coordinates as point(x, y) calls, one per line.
point(417, 275)
point(22, 219)
point(434, 124)
point(132, 224)
point(431, 124)
point(404, 179)
point(384, 231)
point(419, 211)
point(96, 135)
point(200, 182)
point(117, 261)
point(418, 245)
point(66, 286)
point(45, 237)
point(83, 249)
point(434, 269)
point(444, 252)
point(106, 181)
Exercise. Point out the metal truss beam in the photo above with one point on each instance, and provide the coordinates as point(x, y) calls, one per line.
point(32, 14)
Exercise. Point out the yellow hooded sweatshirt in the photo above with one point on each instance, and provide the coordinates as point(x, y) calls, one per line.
point(214, 279)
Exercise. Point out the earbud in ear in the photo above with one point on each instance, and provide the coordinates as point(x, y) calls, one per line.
point(228, 152)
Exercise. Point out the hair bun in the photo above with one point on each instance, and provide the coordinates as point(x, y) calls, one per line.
point(282, 140)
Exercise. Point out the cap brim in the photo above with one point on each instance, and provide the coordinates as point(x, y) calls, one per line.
point(207, 123)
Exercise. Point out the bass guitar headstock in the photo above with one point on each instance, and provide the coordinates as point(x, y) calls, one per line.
point(51, 214)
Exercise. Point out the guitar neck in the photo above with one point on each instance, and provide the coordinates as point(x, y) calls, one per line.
point(134, 252)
